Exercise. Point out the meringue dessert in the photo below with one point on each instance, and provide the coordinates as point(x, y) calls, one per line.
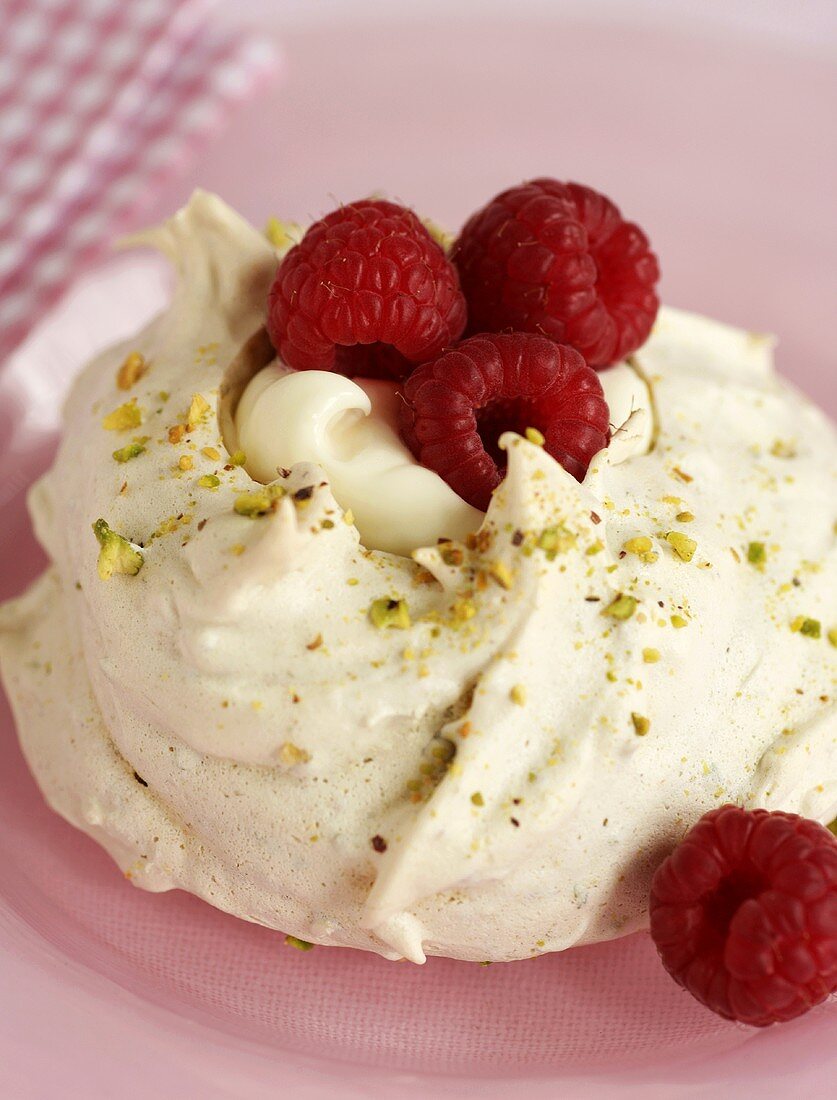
point(293, 672)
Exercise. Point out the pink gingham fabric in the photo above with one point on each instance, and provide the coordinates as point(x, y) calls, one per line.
point(99, 101)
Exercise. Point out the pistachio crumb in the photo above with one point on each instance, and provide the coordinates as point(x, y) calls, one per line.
point(209, 481)
point(501, 573)
point(756, 554)
point(176, 433)
point(132, 369)
point(536, 437)
point(477, 798)
point(211, 453)
point(259, 502)
point(129, 451)
point(678, 622)
point(783, 449)
point(650, 656)
point(556, 540)
point(682, 545)
point(116, 554)
point(197, 411)
point(641, 724)
point(349, 517)
point(185, 462)
point(300, 945)
point(238, 458)
point(518, 695)
point(290, 754)
point(123, 418)
point(620, 608)
point(832, 636)
point(386, 612)
point(811, 628)
point(684, 517)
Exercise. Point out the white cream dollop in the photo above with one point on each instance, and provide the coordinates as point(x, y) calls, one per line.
point(348, 428)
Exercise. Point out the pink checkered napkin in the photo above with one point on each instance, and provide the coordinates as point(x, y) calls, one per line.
point(99, 101)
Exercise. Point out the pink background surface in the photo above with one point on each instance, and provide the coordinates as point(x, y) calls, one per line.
point(722, 151)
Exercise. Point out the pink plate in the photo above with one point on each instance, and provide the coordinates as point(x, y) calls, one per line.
point(107, 990)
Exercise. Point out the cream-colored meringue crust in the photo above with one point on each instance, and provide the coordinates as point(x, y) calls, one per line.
point(500, 777)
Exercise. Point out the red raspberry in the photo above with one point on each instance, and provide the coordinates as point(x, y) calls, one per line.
point(456, 408)
point(559, 259)
point(744, 914)
point(366, 291)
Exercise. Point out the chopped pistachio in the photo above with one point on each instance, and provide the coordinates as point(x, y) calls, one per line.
point(518, 695)
point(477, 798)
point(756, 554)
point(684, 517)
point(123, 418)
point(594, 548)
point(212, 453)
point(260, 502)
point(783, 449)
point(463, 609)
point(290, 754)
point(555, 540)
point(386, 612)
point(811, 628)
point(682, 545)
point(238, 458)
point(452, 555)
point(620, 608)
point(639, 545)
point(164, 395)
point(641, 724)
point(832, 636)
point(650, 656)
point(133, 368)
point(501, 573)
point(176, 433)
point(129, 451)
point(349, 517)
point(300, 945)
point(197, 411)
point(209, 481)
point(536, 437)
point(441, 236)
point(185, 462)
point(678, 622)
point(282, 234)
point(116, 554)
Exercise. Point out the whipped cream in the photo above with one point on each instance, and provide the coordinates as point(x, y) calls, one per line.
point(499, 776)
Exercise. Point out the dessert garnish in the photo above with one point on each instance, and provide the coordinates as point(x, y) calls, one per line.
point(367, 291)
point(116, 553)
point(744, 914)
point(559, 259)
point(456, 407)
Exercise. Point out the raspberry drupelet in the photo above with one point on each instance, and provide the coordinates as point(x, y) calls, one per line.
point(559, 259)
point(455, 408)
point(744, 914)
point(367, 291)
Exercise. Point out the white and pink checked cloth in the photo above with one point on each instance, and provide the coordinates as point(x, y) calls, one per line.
point(100, 100)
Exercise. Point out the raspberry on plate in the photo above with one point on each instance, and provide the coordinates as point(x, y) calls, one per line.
point(559, 259)
point(456, 407)
point(367, 291)
point(744, 914)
